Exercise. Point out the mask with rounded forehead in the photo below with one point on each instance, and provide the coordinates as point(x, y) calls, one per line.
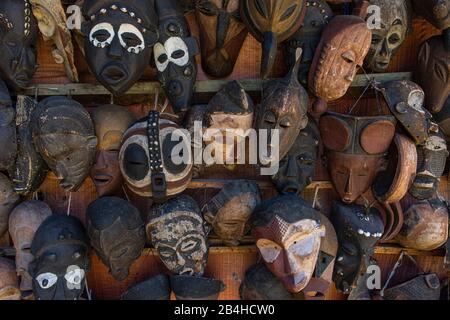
point(110, 123)
point(63, 133)
point(396, 19)
point(437, 12)
point(176, 230)
point(288, 234)
point(8, 135)
point(8, 199)
point(18, 35)
point(433, 73)
point(9, 284)
point(24, 221)
point(118, 40)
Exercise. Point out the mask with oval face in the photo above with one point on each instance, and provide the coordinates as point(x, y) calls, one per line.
point(355, 150)
point(437, 12)
point(175, 54)
point(110, 123)
point(8, 199)
point(176, 230)
point(60, 249)
point(9, 284)
point(8, 135)
point(18, 35)
point(117, 234)
point(119, 36)
point(396, 19)
point(288, 234)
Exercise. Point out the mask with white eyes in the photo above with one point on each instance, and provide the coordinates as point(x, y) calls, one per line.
point(177, 231)
point(175, 55)
point(288, 234)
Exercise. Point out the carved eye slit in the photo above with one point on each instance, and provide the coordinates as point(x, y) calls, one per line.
point(270, 118)
point(376, 39)
point(178, 54)
point(285, 123)
point(262, 9)
point(441, 71)
point(348, 57)
point(394, 39)
point(288, 13)
point(208, 8)
point(162, 58)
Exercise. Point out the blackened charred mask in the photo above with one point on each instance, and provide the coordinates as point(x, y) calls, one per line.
point(64, 135)
point(117, 233)
point(119, 36)
point(155, 288)
point(288, 234)
point(8, 135)
point(60, 249)
point(297, 168)
point(358, 231)
point(318, 14)
point(8, 199)
point(175, 55)
point(18, 36)
point(437, 12)
point(176, 229)
point(196, 288)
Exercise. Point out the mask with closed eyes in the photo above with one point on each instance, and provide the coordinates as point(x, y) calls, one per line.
point(175, 54)
point(18, 37)
point(8, 199)
point(119, 36)
point(288, 234)
point(176, 230)
point(60, 249)
point(437, 12)
point(355, 150)
point(117, 234)
point(8, 135)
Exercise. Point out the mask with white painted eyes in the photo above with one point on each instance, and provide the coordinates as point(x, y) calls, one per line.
point(177, 231)
point(289, 234)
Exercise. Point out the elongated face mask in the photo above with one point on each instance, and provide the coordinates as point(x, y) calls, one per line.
point(110, 123)
point(176, 230)
point(288, 235)
point(9, 284)
point(118, 40)
point(8, 135)
point(437, 12)
point(18, 36)
point(8, 199)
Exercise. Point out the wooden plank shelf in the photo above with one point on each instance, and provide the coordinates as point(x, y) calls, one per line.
point(220, 183)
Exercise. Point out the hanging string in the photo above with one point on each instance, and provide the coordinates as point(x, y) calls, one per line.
point(35, 196)
point(126, 194)
point(36, 93)
point(391, 274)
point(155, 107)
point(69, 204)
point(166, 104)
point(88, 291)
point(316, 194)
point(112, 99)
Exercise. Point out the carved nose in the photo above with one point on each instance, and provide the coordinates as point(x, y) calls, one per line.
point(440, 10)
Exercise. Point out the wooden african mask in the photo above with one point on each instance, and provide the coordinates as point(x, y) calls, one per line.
point(271, 22)
point(8, 199)
point(437, 12)
point(8, 134)
point(110, 123)
point(222, 35)
point(9, 284)
point(396, 19)
point(433, 73)
point(196, 288)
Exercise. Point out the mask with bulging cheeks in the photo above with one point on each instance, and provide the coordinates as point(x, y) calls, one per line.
point(177, 231)
point(288, 234)
point(175, 55)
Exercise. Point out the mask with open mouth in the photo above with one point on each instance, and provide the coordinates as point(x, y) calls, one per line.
point(175, 55)
point(177, 231)
point(64, 135)
point(288, 234)
point(18, 35)
point(8, 199)
point(437, 12)
point(117, 234)
point(8, 135)
point(119, 36)
point(9, 283)
point(110, 123)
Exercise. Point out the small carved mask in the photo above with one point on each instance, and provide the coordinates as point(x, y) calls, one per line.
point(60, 249)
point(110, 123)
point(297, 168)
point(228, 211)
point(117, 233)
point(119, 36)
point(8, 199)
point(175, 54)
point(155, 288)
point(356, 147)
point(344, 44)
point(8, 137)
point(63, 133)
point(437, 12)
point(222, 35)
point(176, 229)
point(24, 221)
point(9, 284)
point(196, 288)
point(433, 73)
point(18, 36)
point(288, 234)
point(358, 231)
point(318, 14)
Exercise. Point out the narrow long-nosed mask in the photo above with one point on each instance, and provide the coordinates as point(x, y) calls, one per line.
point(437, 12)
point(228, 211)
point(222, 35)
point(358, 231)
point(355, 147)
point(176, 229)
point(9, 283)
point(433, 73)
point(8, 199)
point(175, 55)
point(18, 36)
point(24, 221)
point(60, 249)
point(298, 166)
point(8, 135)
point(119, 36)
point(110, 123)
point(318, 15)
point(64, 135)
point(271, 22)
point(288, 234)
point(117, 233)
